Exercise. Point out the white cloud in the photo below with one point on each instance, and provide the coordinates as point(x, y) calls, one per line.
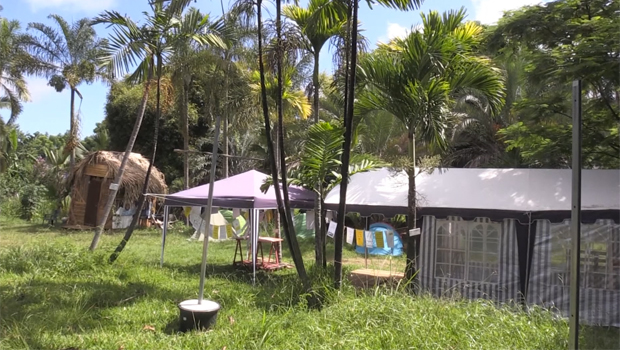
point(87, 6)
point(39, 90)
point(395, 30)
point(489, 11)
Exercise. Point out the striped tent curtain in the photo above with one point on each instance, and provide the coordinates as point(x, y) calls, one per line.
point(599, 277)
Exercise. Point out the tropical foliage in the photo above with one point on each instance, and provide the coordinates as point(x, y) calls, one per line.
point(450, 93)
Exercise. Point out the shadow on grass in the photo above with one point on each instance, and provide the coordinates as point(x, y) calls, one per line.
point(37, 306)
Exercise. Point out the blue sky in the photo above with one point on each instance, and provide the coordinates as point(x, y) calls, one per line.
point(48, 111)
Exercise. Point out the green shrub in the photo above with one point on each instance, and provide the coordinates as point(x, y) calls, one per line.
point(32, 200)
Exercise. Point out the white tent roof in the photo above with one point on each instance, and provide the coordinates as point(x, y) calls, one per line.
point(546, 193)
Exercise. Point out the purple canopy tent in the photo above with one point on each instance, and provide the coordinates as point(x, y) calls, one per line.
point(241, 191)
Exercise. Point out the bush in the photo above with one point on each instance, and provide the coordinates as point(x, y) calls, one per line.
point(32, 201)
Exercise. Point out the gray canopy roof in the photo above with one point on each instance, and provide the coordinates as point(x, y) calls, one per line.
point(494, 193)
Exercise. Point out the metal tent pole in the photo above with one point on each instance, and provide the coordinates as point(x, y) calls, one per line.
point(163, 236)
point(575, 220)
point(205, 243)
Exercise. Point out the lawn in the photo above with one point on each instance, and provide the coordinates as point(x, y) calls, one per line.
point(54, 294)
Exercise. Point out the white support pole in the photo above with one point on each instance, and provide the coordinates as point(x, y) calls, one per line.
point(254, 238)
point(163, 236)
point(205, 245)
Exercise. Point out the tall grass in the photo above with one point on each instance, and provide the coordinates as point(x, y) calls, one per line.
point(56, 295)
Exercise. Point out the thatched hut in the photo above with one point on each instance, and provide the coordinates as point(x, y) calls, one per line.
point(90, 182)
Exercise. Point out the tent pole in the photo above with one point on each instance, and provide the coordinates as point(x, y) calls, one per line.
point(205, 243)
point(254, 243)
point(163, 236)
point(575, 220)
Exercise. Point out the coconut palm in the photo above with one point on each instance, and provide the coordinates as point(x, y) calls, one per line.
point(148, 45)
point(14, 62)
point(418, 79)
point(71, 53)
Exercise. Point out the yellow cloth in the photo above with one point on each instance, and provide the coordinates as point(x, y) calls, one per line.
point(229, 231)
point(359, 237)
point(379, 239)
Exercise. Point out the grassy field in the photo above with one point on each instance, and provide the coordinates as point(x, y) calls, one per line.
point(54, 294)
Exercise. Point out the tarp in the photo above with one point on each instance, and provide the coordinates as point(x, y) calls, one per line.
point(240, 191)
point(493, 193)
point(382, 249)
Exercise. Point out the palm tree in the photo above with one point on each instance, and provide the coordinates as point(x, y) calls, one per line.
point(317, 168)
point(418, 79)
point(186, 60)
point(8, 143)
point(14, 62)
point(476, 139)
point(71, 55)
point(350, 66)
point(316, 37)
point(148, 45)
point(283, 205)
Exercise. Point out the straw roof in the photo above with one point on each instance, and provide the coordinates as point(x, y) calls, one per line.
point(133, 176)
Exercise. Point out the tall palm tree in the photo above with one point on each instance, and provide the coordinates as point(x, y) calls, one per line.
point(316, 37)
point(418, 79)
point(187, 59)
point(71, 53)
point(148, 45)
point(14, 62)
point(283, 205)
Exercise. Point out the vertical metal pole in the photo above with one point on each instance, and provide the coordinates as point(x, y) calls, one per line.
point(205, 242)
point(164, 231)
point(575, 221)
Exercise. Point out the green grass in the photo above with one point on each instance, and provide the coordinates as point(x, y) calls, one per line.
point(54, 294)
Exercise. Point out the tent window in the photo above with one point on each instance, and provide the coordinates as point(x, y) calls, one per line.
point(600, 249)
point(468, 250)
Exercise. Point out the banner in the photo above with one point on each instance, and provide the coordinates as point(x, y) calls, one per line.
point(359, 238)
point(368, 239)
point(390, 238)
point(310, 220)
point(350, 235)
point(331, 229)
point(379, 239)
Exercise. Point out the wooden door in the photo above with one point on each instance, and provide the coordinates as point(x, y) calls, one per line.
point(92, 201)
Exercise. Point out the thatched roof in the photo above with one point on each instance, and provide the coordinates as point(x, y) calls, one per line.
point(133, 176)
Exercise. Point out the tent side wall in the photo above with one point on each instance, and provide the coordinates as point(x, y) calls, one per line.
point(472, 259)
point(600, 270)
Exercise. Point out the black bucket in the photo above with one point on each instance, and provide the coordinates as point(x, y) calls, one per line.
point(197, 316)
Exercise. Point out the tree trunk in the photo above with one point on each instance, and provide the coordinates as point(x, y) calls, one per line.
point(318, 231)
point(141, 200)
point(346, 152)
point(319, 237)
point(412, 242)
point(315, 86)
point(185, 122)
point(291, 238)
point(121, 170)
point(72, 136)
point(323, 232)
